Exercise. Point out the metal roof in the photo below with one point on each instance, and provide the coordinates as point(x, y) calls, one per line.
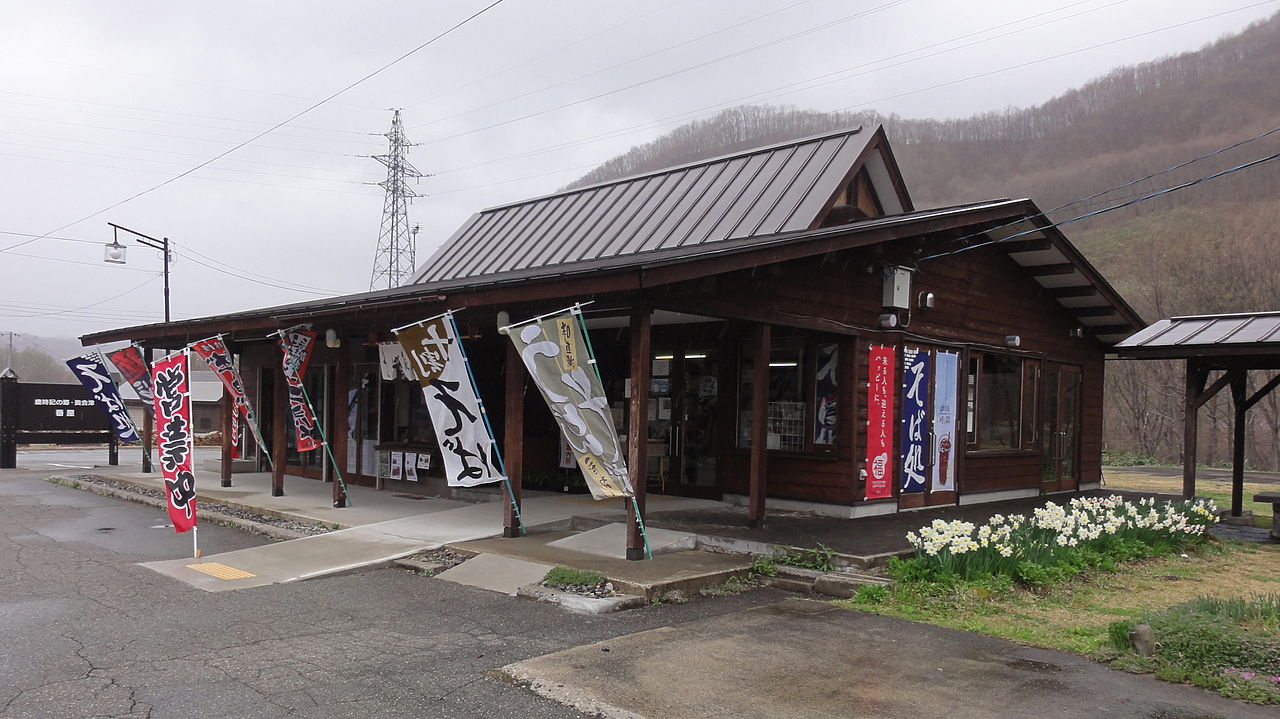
point(1227, 334)
point(764, 191)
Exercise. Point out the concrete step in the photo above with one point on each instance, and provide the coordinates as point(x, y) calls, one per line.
point(611, 541)
point(496, 573)
point(788, 584)
point(846, 584)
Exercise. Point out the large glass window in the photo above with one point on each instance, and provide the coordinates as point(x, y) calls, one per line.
point(994, 401)
point(787, 408)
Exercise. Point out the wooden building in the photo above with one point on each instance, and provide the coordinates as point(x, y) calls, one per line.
point(735, 305)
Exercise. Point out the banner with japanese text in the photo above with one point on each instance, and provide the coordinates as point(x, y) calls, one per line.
point(826, 394)
point(296, 345)
point(215, 353)
point(175, 440)
point(946, 382)
point(880, 377)
point(915, 410)
point(133, 367)
point(435, 356)
point(556, 355)
point(90, 369)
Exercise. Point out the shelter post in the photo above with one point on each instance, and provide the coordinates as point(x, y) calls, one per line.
point(339, 405)
point(228, 418)
point(513, 438)
point(113, 450)
point(759, 425)
point(1196, 377)
point(148, 423)
point(1238, 386)
point(637, 431)
point(279, 425)
point(8, 422)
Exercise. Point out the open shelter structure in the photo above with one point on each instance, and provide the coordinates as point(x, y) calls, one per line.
point(1228, 348)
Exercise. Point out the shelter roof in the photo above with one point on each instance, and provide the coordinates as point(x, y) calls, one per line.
point(1239, 334)
point(764, 191)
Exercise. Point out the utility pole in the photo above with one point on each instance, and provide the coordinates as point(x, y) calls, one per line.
point(395, 262)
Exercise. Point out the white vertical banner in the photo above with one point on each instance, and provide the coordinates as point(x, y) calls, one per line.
point(945, 382)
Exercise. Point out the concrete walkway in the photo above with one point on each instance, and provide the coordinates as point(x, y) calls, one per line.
point(807, 660)
point(382, 526)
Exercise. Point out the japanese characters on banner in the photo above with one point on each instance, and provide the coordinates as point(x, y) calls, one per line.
point(436, 358)
point(880, 374)
point(133, 367)
point(92, 373)
point(171, 380)
point(556, 355)
point(296, 345)
point(392, 362)
point(826, 395)
point(945, 384)
point(215, 353)
point(915, 410)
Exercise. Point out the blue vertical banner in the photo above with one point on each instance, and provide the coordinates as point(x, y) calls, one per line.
point(915, 410)
point(90, 369)
point(945, 382)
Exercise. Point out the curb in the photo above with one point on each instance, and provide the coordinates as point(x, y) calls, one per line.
point(579, 604)
point(211, 514)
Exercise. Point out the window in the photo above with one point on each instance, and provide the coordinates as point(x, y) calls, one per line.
point(801, 410)
point(994, 401)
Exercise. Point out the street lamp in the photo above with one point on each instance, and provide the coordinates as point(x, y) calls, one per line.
point(114, 253)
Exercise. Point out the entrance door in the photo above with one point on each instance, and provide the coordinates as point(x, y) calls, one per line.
point(683, 452)
point(1060, 428)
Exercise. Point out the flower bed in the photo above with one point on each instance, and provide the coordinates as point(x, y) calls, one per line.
point(1056, 541)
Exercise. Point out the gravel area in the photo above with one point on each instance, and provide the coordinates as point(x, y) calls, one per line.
point(445, 557)
point(304, 528)
point(594, 591)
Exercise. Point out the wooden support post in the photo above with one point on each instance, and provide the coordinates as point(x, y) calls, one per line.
point(8, 422)
point(1238, 387)
point(280, 421)
point(341, 429)
point(228, 415)
point(113, 450)
point(1196, 377)
point(637, 427)
point(148, 422)
point(759, 425)
point(513, 436)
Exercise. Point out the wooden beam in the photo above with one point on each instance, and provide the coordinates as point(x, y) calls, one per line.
point(759, 425)
point(1058, 293)
point(1238, 389)
point(1107, 311)
point(1062, 268)
point(1039, 244)
point(279, 423)
point(1196, 377)
point(1262, 392)
point(228, 411)
point(1207, 394)
point(638, 426)
point(513, 436)
point(1110, 329)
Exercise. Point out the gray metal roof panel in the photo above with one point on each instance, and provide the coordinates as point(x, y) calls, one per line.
point(1208, 331)
point(774, 189)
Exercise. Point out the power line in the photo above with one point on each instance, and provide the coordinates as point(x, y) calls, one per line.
point(135, 288)
point(69, 261)
point(1121, 205)
point(256, 281)
point(248, 274)
point(266, 132)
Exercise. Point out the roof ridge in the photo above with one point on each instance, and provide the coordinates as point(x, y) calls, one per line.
point(685, 166)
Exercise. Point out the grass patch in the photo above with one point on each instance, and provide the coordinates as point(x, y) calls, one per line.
point(564, 577)
point(1075, 615)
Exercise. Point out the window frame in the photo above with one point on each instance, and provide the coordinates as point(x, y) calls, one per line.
point(1025, 436)
point(807, 345)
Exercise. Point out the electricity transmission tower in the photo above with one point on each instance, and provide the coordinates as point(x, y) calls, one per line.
point(394, 262)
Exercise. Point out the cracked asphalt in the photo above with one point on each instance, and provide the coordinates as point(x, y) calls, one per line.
point(84, 632)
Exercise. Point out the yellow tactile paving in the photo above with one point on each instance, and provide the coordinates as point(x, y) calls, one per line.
point(221, 571)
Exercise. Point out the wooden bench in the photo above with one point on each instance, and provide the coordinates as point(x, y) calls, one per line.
point(1274, 499)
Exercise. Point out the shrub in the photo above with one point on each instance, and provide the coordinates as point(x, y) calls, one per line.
point(569, 577)
point(871, 594)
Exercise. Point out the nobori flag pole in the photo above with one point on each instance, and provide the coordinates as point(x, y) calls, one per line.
point(324, 438)
point(576, 311)
point(497, 451)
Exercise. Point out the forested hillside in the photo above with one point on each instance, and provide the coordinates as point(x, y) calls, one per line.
point(1205, 249)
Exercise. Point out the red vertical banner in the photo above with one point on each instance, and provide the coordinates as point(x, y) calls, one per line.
point(296, 345)
point(880, 422)
point(171, 383)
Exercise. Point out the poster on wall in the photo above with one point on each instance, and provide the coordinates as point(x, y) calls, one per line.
point(879, 421)
point(410, 467)
point(397, 465)
point(945, 384)
point(915, 410)
point(825, 391)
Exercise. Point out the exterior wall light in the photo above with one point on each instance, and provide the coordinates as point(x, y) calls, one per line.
point(331, 338)
point(1012, 341)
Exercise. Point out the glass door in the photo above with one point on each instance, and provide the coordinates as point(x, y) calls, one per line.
point(1060, 427)
point(683, 456)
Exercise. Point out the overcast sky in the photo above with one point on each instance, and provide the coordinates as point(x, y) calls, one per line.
point(101, 101)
